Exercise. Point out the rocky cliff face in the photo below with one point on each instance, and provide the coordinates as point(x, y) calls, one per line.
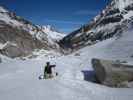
point(26, 36)
point(112, 21)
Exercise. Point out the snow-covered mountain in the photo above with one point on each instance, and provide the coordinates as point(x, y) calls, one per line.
point(112, 21)
point(25, 35)
point(121, 4)
point(52, 32)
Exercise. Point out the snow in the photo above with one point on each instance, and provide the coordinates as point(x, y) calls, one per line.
point(19, 79)
point(52, 33)
point(2, 9)
point(79, 34)
point(128, 15)
point(5, 59)
point(8, 20)
point(121, 4)
point(107, 28)
point(2, 46)
point(44, 33)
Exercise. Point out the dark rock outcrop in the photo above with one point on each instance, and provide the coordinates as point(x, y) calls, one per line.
point(113, 73)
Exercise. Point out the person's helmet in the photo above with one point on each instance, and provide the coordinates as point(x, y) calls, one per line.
point(48, 63)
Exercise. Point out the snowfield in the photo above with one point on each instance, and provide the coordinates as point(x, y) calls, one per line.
point(19, 79)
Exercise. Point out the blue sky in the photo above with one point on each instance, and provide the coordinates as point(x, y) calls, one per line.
point(66, 15)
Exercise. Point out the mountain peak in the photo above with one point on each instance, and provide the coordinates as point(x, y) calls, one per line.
point(121, 4)
point(2, 9)
point(49, 28)
point(52, 32)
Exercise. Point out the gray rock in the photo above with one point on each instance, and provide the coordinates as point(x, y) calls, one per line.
point(112, 73)
point(12, 51)
point(24, 41)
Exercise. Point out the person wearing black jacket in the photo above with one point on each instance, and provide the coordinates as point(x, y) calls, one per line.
point(48, 70)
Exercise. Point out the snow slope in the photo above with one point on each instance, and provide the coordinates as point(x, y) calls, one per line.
point(19, 79)
point(121, 4)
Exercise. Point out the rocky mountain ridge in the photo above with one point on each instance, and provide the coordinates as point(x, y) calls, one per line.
point(26, 35)
point(112, 21)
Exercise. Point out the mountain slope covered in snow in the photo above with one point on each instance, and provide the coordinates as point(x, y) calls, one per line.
point(25, 35)
point(112, 21)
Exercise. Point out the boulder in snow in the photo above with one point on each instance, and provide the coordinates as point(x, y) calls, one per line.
point(113, 73)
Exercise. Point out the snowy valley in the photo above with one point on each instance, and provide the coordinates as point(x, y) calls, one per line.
point(19, 79)
point(100, 39)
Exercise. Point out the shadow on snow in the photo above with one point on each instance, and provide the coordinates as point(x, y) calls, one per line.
point(89, 75)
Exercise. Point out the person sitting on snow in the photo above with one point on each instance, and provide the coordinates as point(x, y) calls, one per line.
point(48, 70)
